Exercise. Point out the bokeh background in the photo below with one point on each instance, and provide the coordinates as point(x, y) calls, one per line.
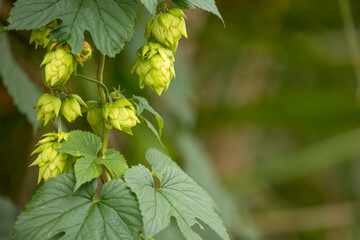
point(263, 113)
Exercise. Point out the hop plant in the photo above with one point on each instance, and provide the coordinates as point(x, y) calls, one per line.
point(59, 65)
point(48, 107)
point(51, 162)
point(121, 115)
point(71, 107)
point(40, 36)
point(94, 116)
point(155, 67)
point(167, 28)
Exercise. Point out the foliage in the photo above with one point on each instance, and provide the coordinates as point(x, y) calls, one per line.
point(177, 195)
point(87, 145)
point(116, 19)
point(68, 205)
point(56, 209)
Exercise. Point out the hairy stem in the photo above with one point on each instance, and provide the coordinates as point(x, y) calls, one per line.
point(102, 99)
point(94, 81)
point(350, 32)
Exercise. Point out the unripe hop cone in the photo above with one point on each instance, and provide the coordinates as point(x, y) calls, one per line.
point(94, 116)
point(48, 107)
point(59, 63)
point(51, 162)
point(85, 54)
point(155, 67)
point(71, 107)
point(121, 115)
point(167, 28)
point(40, 36)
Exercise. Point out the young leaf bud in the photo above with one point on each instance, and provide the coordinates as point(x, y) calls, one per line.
point(85, 53)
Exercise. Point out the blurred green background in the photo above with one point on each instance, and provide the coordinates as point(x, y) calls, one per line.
point(263, 114)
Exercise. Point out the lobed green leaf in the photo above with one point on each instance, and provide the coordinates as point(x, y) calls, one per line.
point(115, 161)
point(80, 143)
point(178, 195)
point(55, 210)
point(109, 22)
point(86, 145)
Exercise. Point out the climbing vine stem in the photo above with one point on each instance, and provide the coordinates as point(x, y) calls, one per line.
point(102, 94)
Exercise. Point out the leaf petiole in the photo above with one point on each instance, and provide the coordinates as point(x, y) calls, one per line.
point(95, 81)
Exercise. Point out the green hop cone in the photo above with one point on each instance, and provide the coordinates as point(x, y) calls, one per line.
point(167, 28)
point(51, 162)
point(71, 107)
point(59, 63)
point(48, 107)
point(40, 36)
point(94, 116)
point(85, 53)
point(121, 115)
point(155, 67)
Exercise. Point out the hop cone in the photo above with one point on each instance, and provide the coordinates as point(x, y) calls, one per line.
point(155, 67)
point(39, 36)
point(59, 65)
point(48, 107)
point(94, 116)
point(85, 53)
point(50, 161)
point(121, 115)
point(167, 28)
point(71, 107)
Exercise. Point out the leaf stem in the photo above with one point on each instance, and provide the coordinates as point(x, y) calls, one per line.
point(95, 81)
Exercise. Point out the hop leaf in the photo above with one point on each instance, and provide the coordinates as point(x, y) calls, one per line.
point(155, 67)
point(71, 107)
point(48, 107)
point(56, 210)
point(51, 162)
point(110, 23)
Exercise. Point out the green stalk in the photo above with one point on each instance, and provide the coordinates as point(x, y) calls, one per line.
point(102, 99)
point(102, 94)
point(95, 81)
